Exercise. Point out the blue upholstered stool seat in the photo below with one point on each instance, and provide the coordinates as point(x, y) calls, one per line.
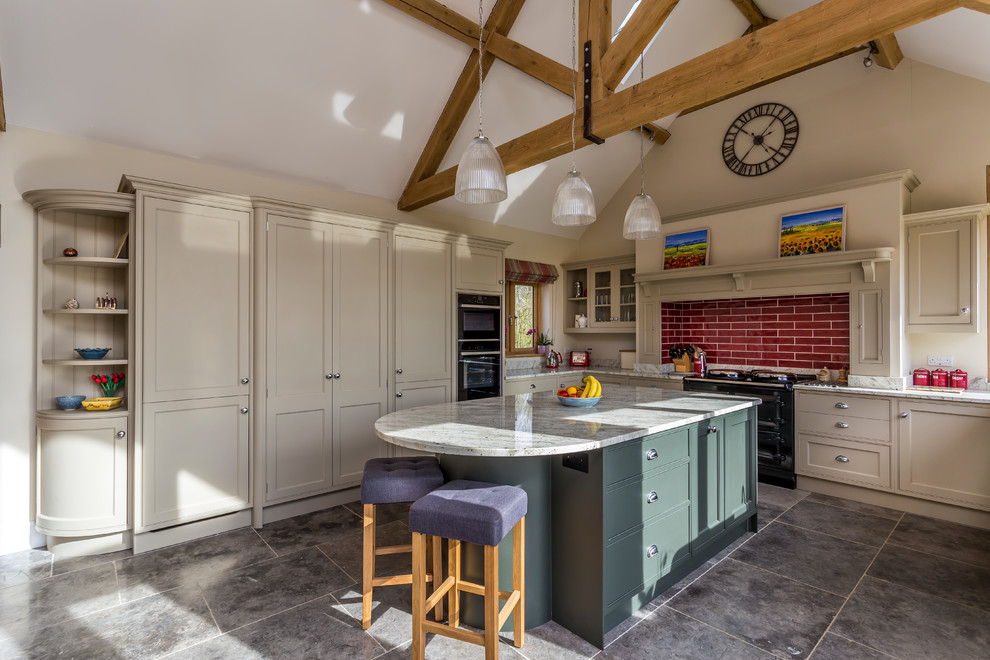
point(471, 511)
point(399, 479)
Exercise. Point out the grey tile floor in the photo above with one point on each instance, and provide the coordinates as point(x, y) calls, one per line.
point(824, 578)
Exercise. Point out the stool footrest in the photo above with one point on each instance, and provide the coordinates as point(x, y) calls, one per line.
point(457, 633)
point(474, 588)
point(439, 592)
point(506, 611)
point(393, 549)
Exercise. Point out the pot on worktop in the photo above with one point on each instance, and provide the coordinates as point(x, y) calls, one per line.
point(553, 359)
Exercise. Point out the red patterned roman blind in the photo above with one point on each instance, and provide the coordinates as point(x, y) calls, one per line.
point(530, 272)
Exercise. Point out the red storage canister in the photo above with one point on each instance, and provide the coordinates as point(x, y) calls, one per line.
point(959, 378)
point(922, 377)
point(940, 378)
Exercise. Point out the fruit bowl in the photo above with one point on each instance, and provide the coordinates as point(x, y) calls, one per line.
point(102, 403)
point(92, 353)
point(69, 401)
point(578, 402)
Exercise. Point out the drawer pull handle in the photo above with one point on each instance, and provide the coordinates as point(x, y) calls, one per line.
point(532, 386)
point(652, 497)
point(652, 454)
point(652, 551)
point(841, 406)
point(903, 415)
point(841, 459)
point(841, 425)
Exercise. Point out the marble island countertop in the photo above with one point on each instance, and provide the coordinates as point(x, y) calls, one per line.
point(538, 425)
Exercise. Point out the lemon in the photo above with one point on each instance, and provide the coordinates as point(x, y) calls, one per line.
point(572, 390)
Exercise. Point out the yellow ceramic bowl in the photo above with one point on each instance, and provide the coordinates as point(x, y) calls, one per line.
point(102, 403)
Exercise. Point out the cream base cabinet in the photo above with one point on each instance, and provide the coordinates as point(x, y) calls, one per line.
point(193, 358)
point(326, 358)
point(945, 452)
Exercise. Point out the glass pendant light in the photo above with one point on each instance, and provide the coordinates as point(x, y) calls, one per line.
point(480, 177)
point(642, 217)
point(573, 203)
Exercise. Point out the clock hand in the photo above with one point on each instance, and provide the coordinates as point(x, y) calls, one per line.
point(767, 148)
point(743, 159)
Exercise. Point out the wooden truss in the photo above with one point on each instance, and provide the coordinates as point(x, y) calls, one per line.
point(770, 50)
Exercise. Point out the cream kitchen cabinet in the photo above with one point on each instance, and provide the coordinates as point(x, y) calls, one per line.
point(327, 349)
point(479, 266)
point(944, 252)
point(194, 317)
point(944, 451)
point(608, 295)
point(547, 383)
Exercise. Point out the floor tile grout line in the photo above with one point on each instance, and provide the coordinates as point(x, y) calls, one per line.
point(831, 536)
point(931, 595)
point(267, 544)
point(938, 556)
point(724, 632)
point(865, 646)
point(865, 513)
point(846, 599)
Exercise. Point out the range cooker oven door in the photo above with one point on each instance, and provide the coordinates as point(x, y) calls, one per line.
point(775, 426)
point(479, 375)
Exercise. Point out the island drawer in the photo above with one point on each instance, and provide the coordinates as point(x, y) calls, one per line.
point(638, 456)
point(844, 405)
point(844, 460)
point(642, 500)
point(646, 554)
point(843, 426)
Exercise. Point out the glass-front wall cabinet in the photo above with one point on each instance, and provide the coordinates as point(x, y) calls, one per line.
point(600, 296)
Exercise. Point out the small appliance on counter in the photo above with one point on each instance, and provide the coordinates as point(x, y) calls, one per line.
point(553, 359)
point(627, 358)
point(580, 358)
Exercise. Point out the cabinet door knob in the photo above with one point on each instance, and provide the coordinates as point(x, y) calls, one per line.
point(336, 375)
point(964, 310)
point(652, 497)
point(841, 425)
point(244, 410)
point(842, 459)
point(652, 551)
point(652, 455)
point(532, 386)
point(398, 371)
point(841, 406)
point(329, 376)
point(398, 395)
point(121, 434)
point(245, 380)
point(903, 415)
point(712, 429)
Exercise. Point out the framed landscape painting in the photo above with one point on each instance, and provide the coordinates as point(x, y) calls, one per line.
point(812, 232)
point(685, 250)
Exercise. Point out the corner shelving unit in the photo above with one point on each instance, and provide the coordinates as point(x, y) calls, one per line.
point(609, 295)
point(82, 458)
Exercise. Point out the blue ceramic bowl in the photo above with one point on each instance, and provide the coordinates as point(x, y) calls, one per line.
point(92, 353)
point(578, 402)
point(69, 401)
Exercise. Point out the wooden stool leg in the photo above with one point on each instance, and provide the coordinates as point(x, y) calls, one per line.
point(454, 595)
point(437, 573)
point(491, 602)
point(368, 572)
point(519, 580)
point(418, 595)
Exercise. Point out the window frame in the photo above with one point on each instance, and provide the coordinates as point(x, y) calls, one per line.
point(510, 315)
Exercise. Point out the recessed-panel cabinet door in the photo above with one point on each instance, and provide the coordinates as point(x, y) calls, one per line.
point(299, 430)
point(739, 467)
point(360, 348)
point(195, 462)
point(423, 310)
point(196, 262)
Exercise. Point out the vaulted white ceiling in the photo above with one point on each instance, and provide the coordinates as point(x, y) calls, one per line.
point(344, 94)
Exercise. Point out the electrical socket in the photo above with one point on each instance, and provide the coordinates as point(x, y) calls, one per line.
point(939, 360)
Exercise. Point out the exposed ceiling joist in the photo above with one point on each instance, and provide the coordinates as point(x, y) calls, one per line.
point(633, 39)
point(789, 45)
point(752, 13)
point(888, 53)
point(977, 5)
point(594, 33)
point(461, 98)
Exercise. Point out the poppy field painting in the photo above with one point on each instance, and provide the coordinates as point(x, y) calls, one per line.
point(685, 250)
point(812, 232)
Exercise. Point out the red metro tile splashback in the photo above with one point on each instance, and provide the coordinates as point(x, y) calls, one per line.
point(797, 332)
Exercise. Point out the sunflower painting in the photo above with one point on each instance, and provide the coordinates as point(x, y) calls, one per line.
point(812, 232)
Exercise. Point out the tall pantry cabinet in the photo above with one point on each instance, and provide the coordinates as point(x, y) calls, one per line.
point(326, 336)
point(192, 458)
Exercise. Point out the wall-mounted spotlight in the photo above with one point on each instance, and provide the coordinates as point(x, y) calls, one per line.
point(868, 60)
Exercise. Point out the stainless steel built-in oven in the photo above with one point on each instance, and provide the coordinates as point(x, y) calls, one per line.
point(479, 346)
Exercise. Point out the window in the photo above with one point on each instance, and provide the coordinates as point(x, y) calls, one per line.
point(523, 313)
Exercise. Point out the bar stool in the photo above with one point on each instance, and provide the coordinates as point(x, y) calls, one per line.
point(390, 481)
point(479, 513)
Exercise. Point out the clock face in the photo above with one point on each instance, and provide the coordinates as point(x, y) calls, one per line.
point(760, 139)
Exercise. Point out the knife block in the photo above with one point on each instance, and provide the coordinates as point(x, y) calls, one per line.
point(683, 364)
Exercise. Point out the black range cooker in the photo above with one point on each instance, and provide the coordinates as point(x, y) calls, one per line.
point(775, 416)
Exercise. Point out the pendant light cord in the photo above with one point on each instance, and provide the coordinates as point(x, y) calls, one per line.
point(642, 175)
point(481, 79)
point(573, 83)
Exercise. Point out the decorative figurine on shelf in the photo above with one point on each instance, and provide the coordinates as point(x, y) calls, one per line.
point(580, 321)
point(843, 378)
point(824, 375)
point(70, 252)
point(71, 303)
point(106, 302)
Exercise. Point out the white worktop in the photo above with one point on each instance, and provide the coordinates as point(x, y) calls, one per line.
point(534, 372)
point(953, 396)
point(538, 425)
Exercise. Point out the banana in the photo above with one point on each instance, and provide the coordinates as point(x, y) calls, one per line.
point(588, 387)
point(598, 387)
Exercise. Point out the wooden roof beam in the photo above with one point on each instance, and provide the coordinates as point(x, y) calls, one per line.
point(791, 44)
point(633, 39)
point(753, 14)
point(888, 53)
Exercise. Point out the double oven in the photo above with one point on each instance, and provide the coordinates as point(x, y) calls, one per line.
point(479, 346)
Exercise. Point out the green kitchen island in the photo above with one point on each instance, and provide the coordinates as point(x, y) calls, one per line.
point(625, 498)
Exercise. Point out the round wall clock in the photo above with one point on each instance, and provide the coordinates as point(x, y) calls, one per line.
point(760, 139)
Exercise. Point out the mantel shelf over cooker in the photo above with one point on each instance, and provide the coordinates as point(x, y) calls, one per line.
point(739, 277)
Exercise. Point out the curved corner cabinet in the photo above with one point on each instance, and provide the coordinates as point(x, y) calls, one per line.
point(82, 457)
